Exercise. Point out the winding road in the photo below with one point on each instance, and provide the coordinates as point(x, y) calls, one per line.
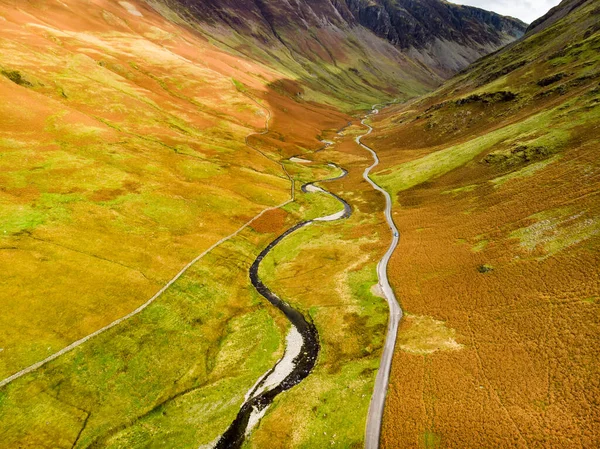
point(375, 416)
point(302, 346)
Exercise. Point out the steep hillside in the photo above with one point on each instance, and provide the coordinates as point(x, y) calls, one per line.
point(143, 168)
point(329, 44)
point(496, 177)
point(116, 129)
point(310, 42)
point(443, 36)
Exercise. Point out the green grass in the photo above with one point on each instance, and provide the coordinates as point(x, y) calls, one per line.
point(431, 440)
point(525, 172)
point(457, 190)
point(332, 402)
point(480, 246)
point(415, 172)
point(177, 372)
point(556, 230)
point(239, 86)
point(180, 367)
point(15, 219)
point(199, 170)
point(314, 270)
point(338, 412)
point(206, 411)
point(551, 128)
point(351, 84)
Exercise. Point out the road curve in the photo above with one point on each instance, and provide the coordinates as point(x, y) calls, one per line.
point(375, 415)
point(297, 366)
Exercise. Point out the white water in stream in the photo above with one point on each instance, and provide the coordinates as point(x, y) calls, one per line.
point(284, 367)
point(274, 377)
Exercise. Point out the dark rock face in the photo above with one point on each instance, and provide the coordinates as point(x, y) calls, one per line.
point(442, 36)
point(243, 14)
point(431, 29)
point(404, 23)
point(415, 23)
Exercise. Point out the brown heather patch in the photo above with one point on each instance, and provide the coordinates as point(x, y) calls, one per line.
point(271, 222)
point(106, 194)
point(528, 360)
point(23, 195)
point(526, 376)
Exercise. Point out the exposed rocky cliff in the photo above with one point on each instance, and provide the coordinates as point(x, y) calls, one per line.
point(416, 23)
point(444, 36)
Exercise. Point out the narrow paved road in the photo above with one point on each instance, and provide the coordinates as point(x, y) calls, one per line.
point(303, 334)
point(374, 418)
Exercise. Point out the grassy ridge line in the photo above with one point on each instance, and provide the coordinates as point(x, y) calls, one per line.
point(79, 342)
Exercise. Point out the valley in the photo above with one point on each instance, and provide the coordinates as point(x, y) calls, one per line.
point(249, 224)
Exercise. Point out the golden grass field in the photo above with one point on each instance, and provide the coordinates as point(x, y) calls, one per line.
point(124, 156)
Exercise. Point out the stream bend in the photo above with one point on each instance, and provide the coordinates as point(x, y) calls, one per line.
point(303, 340)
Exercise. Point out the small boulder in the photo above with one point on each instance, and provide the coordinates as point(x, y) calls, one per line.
point(485, 268)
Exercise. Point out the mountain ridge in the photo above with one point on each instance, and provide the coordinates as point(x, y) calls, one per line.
point(424, 41)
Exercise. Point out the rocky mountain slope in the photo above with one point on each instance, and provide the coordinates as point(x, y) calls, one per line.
point(442, 35)
point(399, 48)
point(311, 43)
